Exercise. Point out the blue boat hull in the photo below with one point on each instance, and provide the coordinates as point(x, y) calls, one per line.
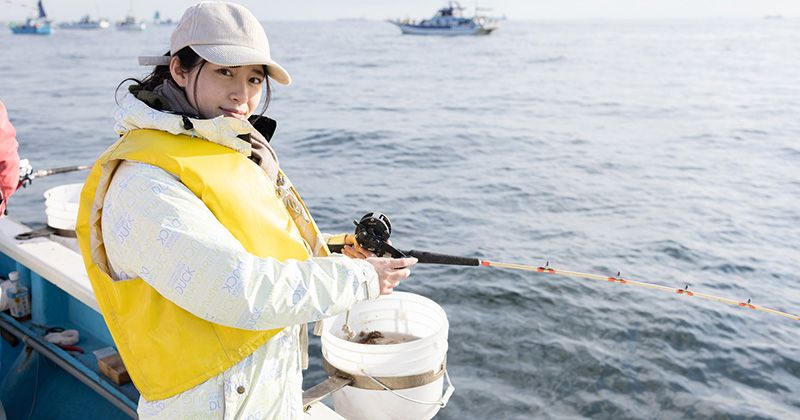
point(31, 30)
point(39, 380)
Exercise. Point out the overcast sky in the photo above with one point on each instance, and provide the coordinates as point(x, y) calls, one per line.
point(382, 9)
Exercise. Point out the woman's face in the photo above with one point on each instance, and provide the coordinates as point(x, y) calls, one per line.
point(220, 90)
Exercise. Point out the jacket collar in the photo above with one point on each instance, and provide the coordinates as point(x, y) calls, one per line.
point(230, 132)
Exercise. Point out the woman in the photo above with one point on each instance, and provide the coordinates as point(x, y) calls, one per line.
point(206, 264)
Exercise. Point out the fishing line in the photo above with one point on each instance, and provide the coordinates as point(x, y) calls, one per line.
point(618, 279)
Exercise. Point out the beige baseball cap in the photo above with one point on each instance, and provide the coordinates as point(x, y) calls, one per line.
point(225, 34)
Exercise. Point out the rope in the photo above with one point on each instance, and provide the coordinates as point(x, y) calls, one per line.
point(442, 403)
point(685, 291)
point(63, 338)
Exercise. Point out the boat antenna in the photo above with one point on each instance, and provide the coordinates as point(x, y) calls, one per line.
point(19, 4)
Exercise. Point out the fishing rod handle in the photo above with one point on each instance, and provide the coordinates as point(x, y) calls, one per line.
point(425, 257)
point(337, 242)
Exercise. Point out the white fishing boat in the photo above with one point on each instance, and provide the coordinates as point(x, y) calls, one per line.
point(86, 22)
point(449, 21)
point(131, 24)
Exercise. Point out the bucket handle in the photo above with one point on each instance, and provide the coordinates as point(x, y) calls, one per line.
point(442, 401)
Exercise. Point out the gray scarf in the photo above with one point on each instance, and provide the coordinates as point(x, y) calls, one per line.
point(175, 99)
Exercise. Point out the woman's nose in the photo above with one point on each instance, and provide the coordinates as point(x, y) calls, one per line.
point(239, 92)
point(237, 96)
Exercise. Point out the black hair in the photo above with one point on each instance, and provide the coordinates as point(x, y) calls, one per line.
point(189, 60)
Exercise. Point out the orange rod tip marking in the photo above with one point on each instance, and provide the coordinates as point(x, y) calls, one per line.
point(486, 263)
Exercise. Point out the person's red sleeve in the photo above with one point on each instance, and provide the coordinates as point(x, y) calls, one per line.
point(9, 159)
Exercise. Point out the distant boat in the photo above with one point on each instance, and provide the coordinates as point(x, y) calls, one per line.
point(158, 21)
point(34, 26)
point(131, 24)
point(449, 21)
point(86, 22)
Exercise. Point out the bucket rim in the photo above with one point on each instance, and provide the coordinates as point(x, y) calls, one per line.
point(335, 340)
point(63, 188)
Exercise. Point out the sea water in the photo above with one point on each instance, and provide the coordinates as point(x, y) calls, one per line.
point(664, 149)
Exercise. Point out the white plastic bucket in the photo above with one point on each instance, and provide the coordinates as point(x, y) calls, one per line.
point(403, 313)
point(61, 205)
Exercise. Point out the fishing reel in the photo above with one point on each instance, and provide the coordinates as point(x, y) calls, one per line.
point(372, 233)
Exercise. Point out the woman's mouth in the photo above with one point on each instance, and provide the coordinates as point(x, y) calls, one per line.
point(233, 113)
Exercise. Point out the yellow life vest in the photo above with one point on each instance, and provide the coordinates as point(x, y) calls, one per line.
point(166, 349)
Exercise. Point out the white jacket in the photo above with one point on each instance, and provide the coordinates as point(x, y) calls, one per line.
point(267, 384)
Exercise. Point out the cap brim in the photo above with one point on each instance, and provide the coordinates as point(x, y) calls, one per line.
point(154, 60)
point(235, 55)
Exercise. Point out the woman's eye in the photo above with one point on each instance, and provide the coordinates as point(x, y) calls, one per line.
point(225, 72)
point(256, 80)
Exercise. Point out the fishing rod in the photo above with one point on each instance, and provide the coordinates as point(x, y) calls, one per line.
point(373, 230)
point(27, 174)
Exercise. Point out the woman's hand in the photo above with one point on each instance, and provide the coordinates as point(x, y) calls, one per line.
point(391, 271)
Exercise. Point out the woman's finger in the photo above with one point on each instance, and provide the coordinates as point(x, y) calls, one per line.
point(365, 253)
point(403, 262)
point(402, 274)
point(351, 252)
